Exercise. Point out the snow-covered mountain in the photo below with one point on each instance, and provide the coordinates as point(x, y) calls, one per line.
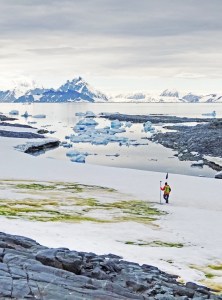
point(72, 91)
point(170, 93)
point(7, 96)
point(78, 90)
point(166, 96)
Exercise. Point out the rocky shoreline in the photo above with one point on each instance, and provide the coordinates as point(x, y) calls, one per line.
point(194, 142)
point(153, 118)
point(30, 148)
point(191, 142)
point(31, 271)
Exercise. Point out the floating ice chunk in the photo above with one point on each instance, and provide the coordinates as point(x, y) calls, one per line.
point(67, 145)
point(90, 114)
point(100, 141)
point(198, 163)
point(211, 114)
point(83, 138)
point(79, 158)
point(79, 128)
point(41, 116)
point(116, 124)
point(80, 114)
point(87, 122)
point(14, 112)
point(148, 127)
point(117, 130)
point(128, 124)
point(72, 153)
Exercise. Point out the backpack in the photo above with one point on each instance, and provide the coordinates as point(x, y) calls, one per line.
point(167, 189)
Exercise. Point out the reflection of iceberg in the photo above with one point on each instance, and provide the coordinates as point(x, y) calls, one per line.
point(212, 114)
point(25, 115)
point(39, 116)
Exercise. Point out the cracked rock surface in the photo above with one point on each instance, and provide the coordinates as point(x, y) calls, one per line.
point(31, 271)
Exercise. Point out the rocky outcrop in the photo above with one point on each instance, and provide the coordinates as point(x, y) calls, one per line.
point(155, 119)
point(31, 271)
point(4, 118)
point(192, 142)
point(22, 135)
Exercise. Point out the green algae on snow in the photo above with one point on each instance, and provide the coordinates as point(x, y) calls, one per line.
point(155, 244)
point(67, 202)
point(35, 186)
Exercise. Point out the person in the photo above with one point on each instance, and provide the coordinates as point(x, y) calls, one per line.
point(166, 192)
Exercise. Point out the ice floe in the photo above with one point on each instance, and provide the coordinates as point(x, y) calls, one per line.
point(14, 112)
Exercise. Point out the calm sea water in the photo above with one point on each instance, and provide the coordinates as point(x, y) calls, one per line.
point(153, 157)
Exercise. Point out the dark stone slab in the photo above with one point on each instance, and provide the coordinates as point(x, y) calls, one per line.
point(31, 271)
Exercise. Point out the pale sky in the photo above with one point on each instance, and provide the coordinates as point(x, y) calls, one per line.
point(116, 45)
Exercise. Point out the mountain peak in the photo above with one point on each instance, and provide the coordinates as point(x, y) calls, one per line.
point(78, 84)
point(170, 93)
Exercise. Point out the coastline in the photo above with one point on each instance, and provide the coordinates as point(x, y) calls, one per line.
point(193, 216)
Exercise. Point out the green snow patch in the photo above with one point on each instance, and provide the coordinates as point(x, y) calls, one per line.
point(213, 276)
point(71, 202)
point(154, 244)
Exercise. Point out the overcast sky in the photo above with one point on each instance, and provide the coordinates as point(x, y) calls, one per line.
point(116, 45)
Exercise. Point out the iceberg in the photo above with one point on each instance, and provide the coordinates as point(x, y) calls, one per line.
point(211, 114)
point(80, 158)
point(116, 124)
point(148, 127)
point(14, 112)
point(128, 124)
point(90, 114)
point(79, 114)
point(100, 141)
point(72, 153)
point(198, 163)
point(87, 122)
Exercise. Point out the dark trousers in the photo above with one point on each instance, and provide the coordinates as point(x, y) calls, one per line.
point(166, 197)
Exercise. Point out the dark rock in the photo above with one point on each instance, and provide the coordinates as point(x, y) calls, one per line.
point(31, 271)
point(42, 131)
point(22, 135)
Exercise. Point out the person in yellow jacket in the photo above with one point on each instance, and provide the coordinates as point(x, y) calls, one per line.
point(166, 192)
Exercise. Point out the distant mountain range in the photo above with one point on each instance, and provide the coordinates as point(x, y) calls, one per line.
point(78, 90)
point(168, 96)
